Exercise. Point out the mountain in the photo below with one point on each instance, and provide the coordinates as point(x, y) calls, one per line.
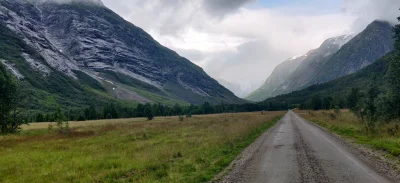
point(237, 89)
point(364, 49)
point(280, 74)
point(296, 73)
point(335, 58)
point(339, 88)
point(85, 43)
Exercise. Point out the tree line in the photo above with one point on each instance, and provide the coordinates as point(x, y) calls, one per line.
point(373, 104)
point(148, 110)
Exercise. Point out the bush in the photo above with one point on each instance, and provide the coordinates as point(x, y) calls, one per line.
point(337, 110)
point(50, 128)
point(181, 118)
point(332, 116)
point(62, 124)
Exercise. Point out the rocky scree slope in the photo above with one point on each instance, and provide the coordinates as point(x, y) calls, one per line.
point(85, 36)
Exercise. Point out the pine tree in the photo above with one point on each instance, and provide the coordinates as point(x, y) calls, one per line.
point(353, 98)
point(149, 113)
point(396, 31)
point(393, 76)
point(316, 102)
point(9, 122)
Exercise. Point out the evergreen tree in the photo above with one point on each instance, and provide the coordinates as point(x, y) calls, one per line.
point(389, 104)
point(92, 113)
point(148, 113)
point(393, 76)
point(40, 117)
point(328, 103)
point(140, 110)
point(9, 122)
point(316, 102)
point(353, 99)
point(369, 114)
point(396, 31)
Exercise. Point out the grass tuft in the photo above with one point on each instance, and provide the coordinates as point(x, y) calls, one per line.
point(386, 137)
point(131, 150)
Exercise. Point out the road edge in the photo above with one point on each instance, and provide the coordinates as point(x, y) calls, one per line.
point(373, 158)
point(245, 156)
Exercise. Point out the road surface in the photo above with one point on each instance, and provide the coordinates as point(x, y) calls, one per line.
point(297, 151)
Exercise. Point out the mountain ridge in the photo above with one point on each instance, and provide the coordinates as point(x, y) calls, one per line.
point(96, 41)
point(298, 70)
point(362, 50)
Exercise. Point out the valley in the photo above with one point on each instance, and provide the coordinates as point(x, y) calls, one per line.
point(160, 91)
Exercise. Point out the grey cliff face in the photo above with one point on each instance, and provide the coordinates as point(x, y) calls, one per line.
point(84, 35)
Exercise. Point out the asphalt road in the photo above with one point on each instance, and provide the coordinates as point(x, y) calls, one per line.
point(297, 151)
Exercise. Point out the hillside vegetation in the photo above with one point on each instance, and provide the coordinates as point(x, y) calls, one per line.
point(336, 91)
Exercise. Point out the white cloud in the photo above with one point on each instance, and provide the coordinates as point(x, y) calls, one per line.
point(242, 45)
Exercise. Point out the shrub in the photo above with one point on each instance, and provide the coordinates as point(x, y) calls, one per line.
point(50, 128)
point(62, 124)
point(332, 116)
point(337, 110)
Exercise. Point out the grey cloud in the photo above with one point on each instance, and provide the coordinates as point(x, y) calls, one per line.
point(191, 54)
point(367, 11)
point(221, 7)
point(271, 35)
point(166, 17)
point(248, 65)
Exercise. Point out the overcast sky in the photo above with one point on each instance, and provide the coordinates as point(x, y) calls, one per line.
point(241, 41)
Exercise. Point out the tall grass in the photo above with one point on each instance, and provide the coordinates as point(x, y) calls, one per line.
point(386, 136)
point(162, 150)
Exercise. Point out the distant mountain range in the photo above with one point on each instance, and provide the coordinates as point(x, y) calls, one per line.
point(64, 50)
point(336, 57)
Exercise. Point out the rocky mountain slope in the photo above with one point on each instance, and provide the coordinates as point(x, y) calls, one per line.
point(83, 36)
point(364, 49)
point(278, 77)
point(296, 73)
point(335, 58)
point(339, 88)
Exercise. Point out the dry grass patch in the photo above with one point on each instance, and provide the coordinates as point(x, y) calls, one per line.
point(386, 136)
point(131, 150)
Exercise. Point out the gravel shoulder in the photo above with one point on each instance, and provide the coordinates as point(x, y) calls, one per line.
point(296, 150)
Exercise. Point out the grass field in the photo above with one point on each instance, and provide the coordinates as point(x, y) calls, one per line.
point(386, 136)
point(131, 150)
